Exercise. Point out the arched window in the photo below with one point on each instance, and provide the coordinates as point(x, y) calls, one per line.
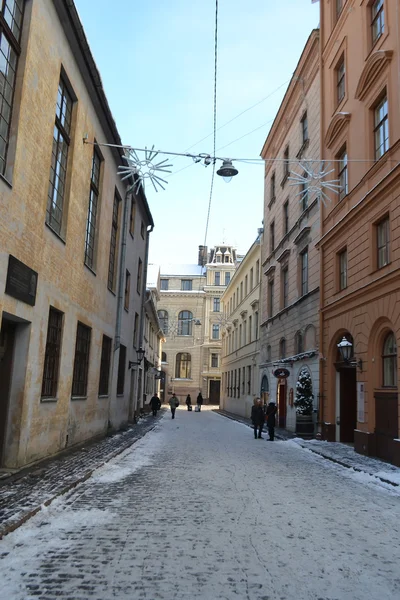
point(163, 357)
point(269, 353)
point(163, 318)
point(299, 343)
point(389, 360)
point(264, 384)
point(185, 321)
point(183, 364)
point(282, 348)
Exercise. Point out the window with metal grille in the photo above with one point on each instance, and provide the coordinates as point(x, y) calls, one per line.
point(59, 159)
point(81, 361)
point(113, 244)
point(377, 20)
point(91, 221)
point(105, 363)
point(383, 240)
point(11, 15)
point(381, 129)
point(183, 365)
point(52, 354)
point(121, 370)
point(185, 322)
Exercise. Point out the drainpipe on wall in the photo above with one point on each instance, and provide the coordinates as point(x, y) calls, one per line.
point(117, 341)
point(142, 311)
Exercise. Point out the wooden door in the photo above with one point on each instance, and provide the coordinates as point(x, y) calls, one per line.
point(215, 387)
point(386, 424)
point(348, 404)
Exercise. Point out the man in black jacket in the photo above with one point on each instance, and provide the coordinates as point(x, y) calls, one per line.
point(270, 414)
point(155, 404)
point(257, 417)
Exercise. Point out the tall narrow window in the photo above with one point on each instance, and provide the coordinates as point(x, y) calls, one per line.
point(343, 269)
point(132, 218)
point(216, 305)
point(285, 287)
point(304, 193)
point(127, 290)
point(59, 159)
point(377, 20)
point(286, 217)
point(139, 276)
point(11, 15)
point(389, 360)
point(246, 284)
point(249, 380)
point(136, 331)
point(186, 285)
point(272, 236)
point(339, 7)
point(227, 277)
point(340, 80)
point(121, 370)
point(241, 291)
point(91, 221)
point(342, 173)
point(272, 191)
point(304, 128)
point(185, 322)
point(217, 278)
point(112, 263)
point(304, 272)
point(251, 278)
point(163, 318)
point(240, 336)
point(299, 345)
point(250, 329)
point(381, 129)
point(383, 240)
point(256, 325)
point(105, 363)
point(270, 297)
point(286, 163)
point(183, 365)
point(52, 354)
point(81, 361)
point(257, 272)
point(282, 348)
point(215, 332)
point(214, 360)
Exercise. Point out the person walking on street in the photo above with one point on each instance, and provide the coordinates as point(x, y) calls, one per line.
point(257, 417)
point(270, 415)
point(155, 404)
point(199, 401)
point(174, 403)
point(189, 402)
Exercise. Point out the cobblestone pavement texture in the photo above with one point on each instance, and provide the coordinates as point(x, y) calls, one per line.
point(24, 493)
point(198, 509)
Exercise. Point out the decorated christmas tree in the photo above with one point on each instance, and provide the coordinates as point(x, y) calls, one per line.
point(304, 396)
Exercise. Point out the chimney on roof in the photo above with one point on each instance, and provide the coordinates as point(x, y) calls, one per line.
point(202, 256)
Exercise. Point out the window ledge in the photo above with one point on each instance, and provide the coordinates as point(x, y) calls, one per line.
point(46, 400)
point(90, 269)
point(111, 291)
point(55, 233)
point(8, 183)
point(102, 396)
point(78, 397)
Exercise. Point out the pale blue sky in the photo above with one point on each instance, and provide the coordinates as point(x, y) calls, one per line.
point(156, 60)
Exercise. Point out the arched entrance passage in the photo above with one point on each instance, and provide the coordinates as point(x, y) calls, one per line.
point(346, 395)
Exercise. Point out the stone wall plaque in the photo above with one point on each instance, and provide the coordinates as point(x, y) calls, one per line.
point(21, 281)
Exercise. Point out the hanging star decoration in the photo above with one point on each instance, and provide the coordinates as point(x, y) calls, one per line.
point(313, 180)
point(144, 168)
point(223, 322)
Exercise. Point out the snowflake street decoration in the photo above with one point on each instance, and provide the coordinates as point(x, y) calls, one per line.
point(314, 180)
point(144, 169)
point(223, 321)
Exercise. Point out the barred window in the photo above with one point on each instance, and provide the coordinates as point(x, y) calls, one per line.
point(81, 361)
point(113, 244)
point(11, 15)
point(91, 221)
point(59, 159)
point(52, 354)
point(105, 363)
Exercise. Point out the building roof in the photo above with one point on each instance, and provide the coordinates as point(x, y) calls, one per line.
point(170, 270)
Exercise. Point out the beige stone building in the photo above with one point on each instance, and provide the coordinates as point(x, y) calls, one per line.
point(73, 242)
point(360, 242)
point(290, 259)
point(190, 314)
point(153, 337)
point(241, 335)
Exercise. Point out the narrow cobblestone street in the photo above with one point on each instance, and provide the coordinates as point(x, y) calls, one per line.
point(199, 509)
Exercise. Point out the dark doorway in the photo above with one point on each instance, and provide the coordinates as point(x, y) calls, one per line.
point(282, 403)
point(386, 423)
point(7, 340)
point(348, 404)
point(215, 387)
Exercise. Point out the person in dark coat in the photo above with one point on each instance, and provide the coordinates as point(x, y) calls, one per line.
point(199, 400)
point(188, 401)
point(155, 404)
point(270, 415)
point(257, 417)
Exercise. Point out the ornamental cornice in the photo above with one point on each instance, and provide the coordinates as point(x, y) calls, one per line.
point(374, 65)
point(336, 126)
point(301, 235)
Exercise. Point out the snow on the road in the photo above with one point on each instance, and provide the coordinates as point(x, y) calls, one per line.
point(198, 509)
